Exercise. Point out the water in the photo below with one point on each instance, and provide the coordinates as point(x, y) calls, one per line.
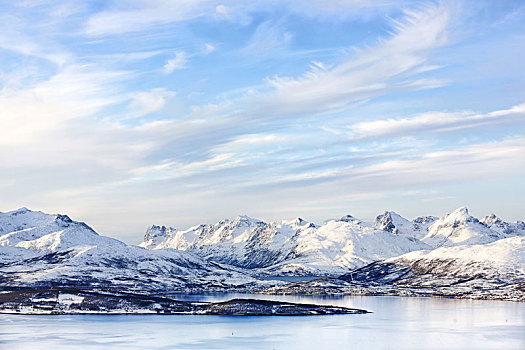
point(290, 278)
point(396, 323)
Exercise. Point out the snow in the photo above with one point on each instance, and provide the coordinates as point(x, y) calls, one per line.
point(41, 248)
point(507, 253)
point(338, 246)
point(457, 228)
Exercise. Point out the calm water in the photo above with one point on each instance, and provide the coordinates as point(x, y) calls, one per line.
point(401, 323)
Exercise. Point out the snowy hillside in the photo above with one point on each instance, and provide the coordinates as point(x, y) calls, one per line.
point(243, 242)
point(38, 249)
point(459, 227)
point(298, 247)
point(456, 251)
point(392, 222)
point(500, 262)
point(507, 229)
point(340, 245)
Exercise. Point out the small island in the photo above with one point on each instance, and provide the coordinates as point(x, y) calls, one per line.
point(57, 301)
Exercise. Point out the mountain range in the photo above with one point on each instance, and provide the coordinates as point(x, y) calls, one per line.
point(392, 253)
point(298, 247)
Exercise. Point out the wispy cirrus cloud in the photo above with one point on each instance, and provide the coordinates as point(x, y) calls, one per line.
point(147, 102)
point(122, 17)
point(268, 40)
point(176, 63)
point(275, 136)
point(390, 66)
point(435, 122)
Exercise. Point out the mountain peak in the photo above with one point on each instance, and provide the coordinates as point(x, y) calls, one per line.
point(461, 211)
point(245, 220)
point(63, 218)
point(491, 219)
point(19, 211)
point(386, 221)
point(349, 218)
point(156, 234)
point(460, 215)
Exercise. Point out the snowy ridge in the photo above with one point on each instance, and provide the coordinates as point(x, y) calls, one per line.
point(459, 227)
point(507, 229)
point(243, 241)
point(478, 268)
point(298, 247)
point(40, 249)
point(503, 254)
point(340, 245)
point(392, 222)
point(43, 250)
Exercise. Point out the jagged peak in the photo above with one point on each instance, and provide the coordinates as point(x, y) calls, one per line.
point(65, 221)
point(390, 215)
point(459, 215)
point(162, 229)
point(19, 211)
point(349, 218)
point(155, 232)
point(297, 222)
point(63, 218)
point(385, 222)
point(491, 219)
point(461, 211)
point(428, 219)
point(245, 220)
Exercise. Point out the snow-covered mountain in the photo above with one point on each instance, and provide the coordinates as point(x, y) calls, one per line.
point(507, 229)
point(340, 245)
point(455, 251)
point(243, 242)
point(298, 247)
point(38, 249)
point(459, 227)
point(42, 232)
point(392, 222)
point(294, 247)
point(498, 263)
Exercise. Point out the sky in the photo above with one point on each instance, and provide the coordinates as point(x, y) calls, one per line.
point(129, 113)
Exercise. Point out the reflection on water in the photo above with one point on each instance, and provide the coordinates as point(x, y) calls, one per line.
point(395, 323)
point(290, 278)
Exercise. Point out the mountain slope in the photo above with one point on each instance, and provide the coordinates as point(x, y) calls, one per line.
point(39, 249)
point(458, 228)
point(294, 247)
point(392, 222)
point(507, 229)
point(243, 242)
point(339, 245)
point(498, 263)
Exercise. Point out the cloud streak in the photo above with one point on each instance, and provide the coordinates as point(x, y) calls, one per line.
point(176, 63)
point(435, 122)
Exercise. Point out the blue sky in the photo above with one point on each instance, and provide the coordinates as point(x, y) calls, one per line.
point(128, 113)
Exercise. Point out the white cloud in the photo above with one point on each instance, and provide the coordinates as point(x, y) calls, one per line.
point(374, 71)
point(208, 48)
point(147, 102)
point(434, 122)
point(268, 39)
point(125, 17)
point(176, 63)
point(467, 163)
point(75, 92)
